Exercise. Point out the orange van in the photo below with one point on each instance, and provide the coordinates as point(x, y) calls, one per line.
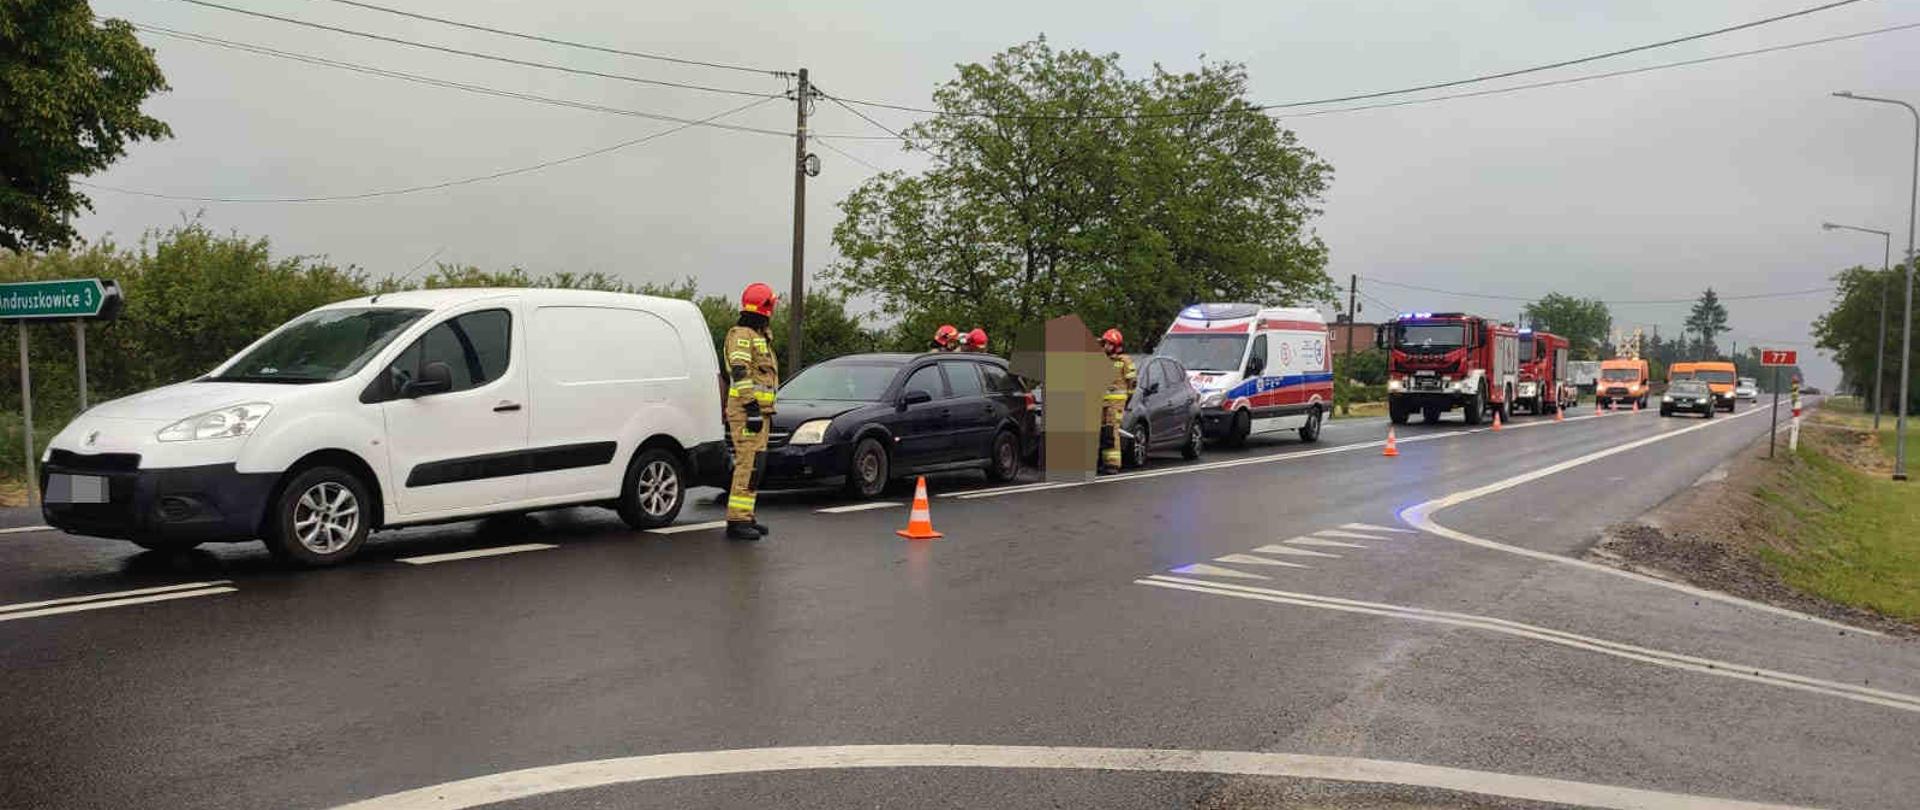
point(1720, 376)
point(1622, 380)
point(1680, 371)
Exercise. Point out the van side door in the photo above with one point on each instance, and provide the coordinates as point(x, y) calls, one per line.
point(454, 402)
point(602, 378)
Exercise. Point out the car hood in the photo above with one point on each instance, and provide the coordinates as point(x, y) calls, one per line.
point(790, 414)
point(172, 403)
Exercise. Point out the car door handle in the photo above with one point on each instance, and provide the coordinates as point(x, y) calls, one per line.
point(506, 407)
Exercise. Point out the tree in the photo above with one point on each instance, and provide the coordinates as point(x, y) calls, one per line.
point(1851, 330)
point(1584, 322)
point(1708, 319)
point(1049, 195)
point(70, 95)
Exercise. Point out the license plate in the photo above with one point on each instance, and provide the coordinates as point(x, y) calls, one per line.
point(64, 488)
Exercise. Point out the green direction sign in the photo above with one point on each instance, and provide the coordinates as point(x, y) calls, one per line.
point(66, 298)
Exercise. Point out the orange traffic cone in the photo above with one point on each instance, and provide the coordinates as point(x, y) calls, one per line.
point(1636, 406)
point(1560, 414)
point(1390, 450)
point(920, 523)
point(1496, 421)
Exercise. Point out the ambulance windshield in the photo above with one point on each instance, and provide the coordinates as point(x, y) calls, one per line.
point(1205, 352)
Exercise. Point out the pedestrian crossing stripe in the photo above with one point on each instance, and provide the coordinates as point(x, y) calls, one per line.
point(1205, 570)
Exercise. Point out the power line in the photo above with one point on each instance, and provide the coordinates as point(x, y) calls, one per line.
point(557, 41)
point(1621, 302)
point(1373, 94)
point(850, 156)
point(441, 185)
point(479, 55)
point(373, 70)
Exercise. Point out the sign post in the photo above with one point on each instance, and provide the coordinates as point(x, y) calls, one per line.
point(1776, 359)
point(76, 299)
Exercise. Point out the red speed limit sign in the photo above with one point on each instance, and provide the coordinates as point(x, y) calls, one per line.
point(1779, 357)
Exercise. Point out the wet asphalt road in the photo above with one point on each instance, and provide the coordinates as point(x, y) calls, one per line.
point(1035, 622)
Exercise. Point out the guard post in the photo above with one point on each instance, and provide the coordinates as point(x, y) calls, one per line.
point(75, 299)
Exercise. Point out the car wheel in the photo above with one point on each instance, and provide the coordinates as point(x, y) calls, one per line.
point(868, 469)
point(1195, 439)
point(1005, 464)
point(1142, 444)
point(321, 517)
point(1310, 432)
point(167, 546)
point(1666, 411)
point(655, 489)
point(1242, 427)
point(1709, 412)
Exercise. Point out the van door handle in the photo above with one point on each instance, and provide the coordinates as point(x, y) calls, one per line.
point(505, 407)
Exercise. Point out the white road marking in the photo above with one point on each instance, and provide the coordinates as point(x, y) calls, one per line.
point(1420, 516)
point(95, 597)
point(1205, 570)
point(114, 603)
point(859, 507)
point(1347, 535)
point(1249, 559)
point(1725, 669)
point(689, 527)
point(429, 559)
point(1297, 552)
point(25, 529)
point(1368, 527)
point(531, 782)
point(1315, 541)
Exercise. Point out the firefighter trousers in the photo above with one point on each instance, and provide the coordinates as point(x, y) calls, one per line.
point(749, 466)
point(1110, 435)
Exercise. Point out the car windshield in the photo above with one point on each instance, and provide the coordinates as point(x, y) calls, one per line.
point(1688, 387)
point(842, 382)
point(322, 345)
point(1722, 377)
point(1527, 349)
point(1621, 374)
point(1205, 352)
point(1748, 382)
point(1430, 336)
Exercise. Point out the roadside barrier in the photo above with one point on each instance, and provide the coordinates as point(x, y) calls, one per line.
point(1391, 449)
point(920, 523)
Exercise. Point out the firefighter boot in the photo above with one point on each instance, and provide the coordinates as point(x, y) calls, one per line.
point(741, 530)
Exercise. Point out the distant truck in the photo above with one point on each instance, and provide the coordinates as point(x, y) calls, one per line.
point(1437, 362)
point(1544, 384)
point(1622, 380)
point(1585, 375)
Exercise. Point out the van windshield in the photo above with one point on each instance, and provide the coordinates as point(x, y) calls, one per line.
point(322, 345)
point(1205, 352)
point(841, 382)
point(1714, 376)
point(1620, 374)
point(1429, 336)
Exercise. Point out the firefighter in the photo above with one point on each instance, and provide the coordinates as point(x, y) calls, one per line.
point(946, 338)
point(1114, 402)
point(753, 377)
point(975, 341)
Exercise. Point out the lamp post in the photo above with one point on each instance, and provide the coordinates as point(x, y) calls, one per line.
point(1906, 326)
point(1879, 349)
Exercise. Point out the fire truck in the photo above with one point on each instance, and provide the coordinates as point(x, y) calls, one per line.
point(1545, 380)
point(1437, 362)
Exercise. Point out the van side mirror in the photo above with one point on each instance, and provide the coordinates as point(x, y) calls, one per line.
point(915, 397)
point(435, 378)
point(1255, 365)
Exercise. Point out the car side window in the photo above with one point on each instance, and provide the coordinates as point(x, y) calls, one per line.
point(999, 382)
point(476, 347)
point(1170, 381)
point(964, 379)
point(1259, 352)
point(926, 378)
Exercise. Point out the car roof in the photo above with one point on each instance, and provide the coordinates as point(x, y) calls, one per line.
point(448, 297)
point(901, 358)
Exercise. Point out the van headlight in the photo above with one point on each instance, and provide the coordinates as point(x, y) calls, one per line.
point(1213, 400)
point(813, 432)
point(236, 420)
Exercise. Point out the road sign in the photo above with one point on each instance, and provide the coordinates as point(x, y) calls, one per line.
point(1779, 357)
point(62, 299)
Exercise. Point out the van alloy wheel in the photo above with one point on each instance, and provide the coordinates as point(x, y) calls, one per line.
point(326, 517)
point(658, 488)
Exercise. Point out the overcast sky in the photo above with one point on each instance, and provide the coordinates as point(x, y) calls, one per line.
point(1655, 185)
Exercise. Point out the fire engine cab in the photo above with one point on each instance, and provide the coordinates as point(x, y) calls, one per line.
point(1437, 362)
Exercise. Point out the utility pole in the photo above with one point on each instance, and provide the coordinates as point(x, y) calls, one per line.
point(803, 165)
point(1906, 337)
point(1353, 291)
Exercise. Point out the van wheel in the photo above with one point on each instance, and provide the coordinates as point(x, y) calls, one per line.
point(655, 489)
point(1310, 433)
point(1142, 444)
point(321, 517)
point(1005, 464)
point(868, 469)
point(1242, 427)
point(1195, 440)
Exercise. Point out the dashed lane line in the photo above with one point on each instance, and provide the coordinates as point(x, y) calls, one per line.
point(495, 551)
point(1205, 570)
point(1421, 516)
point(513, 786)
point(1725, 669)
point(26, 529)
point(859, 507)
point(101, 601)
point(689, 527)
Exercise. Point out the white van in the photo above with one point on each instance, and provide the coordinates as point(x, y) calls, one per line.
point(1258, 369)
point(405, 408)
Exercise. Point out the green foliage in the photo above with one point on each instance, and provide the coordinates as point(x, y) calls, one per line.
point(1851, 331)
point(1708, 319)
point(70, 94)
point(1853, 536)
point(1050, 208)
point(1584, 322)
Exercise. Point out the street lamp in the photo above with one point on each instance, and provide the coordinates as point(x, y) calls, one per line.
point(1906, 327)
point(1879, 349)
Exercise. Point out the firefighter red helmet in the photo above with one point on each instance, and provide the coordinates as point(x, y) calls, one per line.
point(946, 334)
point(758, 299)
point(977, 338)
point(1111, 337)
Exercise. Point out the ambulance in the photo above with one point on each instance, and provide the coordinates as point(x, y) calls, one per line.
point(1259, 370)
